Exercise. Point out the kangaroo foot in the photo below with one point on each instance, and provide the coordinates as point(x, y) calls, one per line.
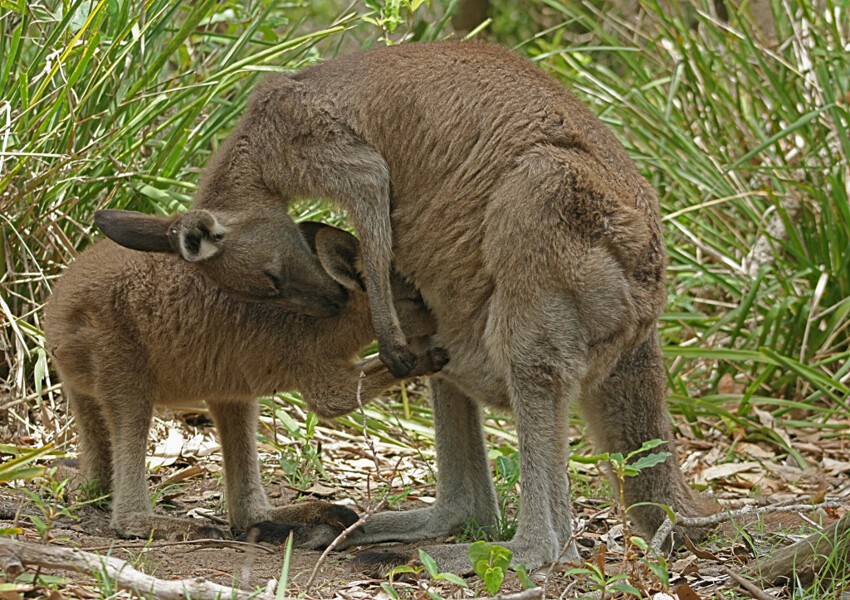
point(454, 558)
point(313, 524)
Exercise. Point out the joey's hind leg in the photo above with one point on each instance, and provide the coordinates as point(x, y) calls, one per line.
point(93, 444)
point(628, 409)
point(129, 412)
point(314, 524)
point(465, 489)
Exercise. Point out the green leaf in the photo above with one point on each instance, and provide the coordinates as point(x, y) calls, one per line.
point(493, 578)
point(524, 580)
point(283, 581)
point(650, 460)
point(451, 578)
point(80, 16)
point(625, 588)
point(639, 542)
point(500, 557)
point(429, 563)
point(479, 553)
point(389, 590)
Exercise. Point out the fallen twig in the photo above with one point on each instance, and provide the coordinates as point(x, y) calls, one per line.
point(572, 540)
point(373, 509)
point(210, 542)
point(340, 538)
point(751, 588)
point(18, 554)
point(721, 517)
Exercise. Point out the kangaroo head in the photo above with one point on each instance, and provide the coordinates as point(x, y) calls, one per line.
point(262, 257)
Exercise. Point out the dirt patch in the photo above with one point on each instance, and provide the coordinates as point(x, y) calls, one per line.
point(336, 463)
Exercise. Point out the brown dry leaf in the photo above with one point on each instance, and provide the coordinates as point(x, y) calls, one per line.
point(728, 385)
point(767, 420)
point(167, 451)
point(699, 552)
point(183, 475)
point(835, 467)
point(686, 566)
point(321, 491)
point(684, 592)
point(755, 450)
point(725, 471)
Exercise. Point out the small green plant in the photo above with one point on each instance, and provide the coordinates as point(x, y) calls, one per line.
point(641, 566)
point(51, 500)
point(390, 14)
point(21, 467)
point(429, 565)
point(490, 562)
point(301, 461)
point(602, 582)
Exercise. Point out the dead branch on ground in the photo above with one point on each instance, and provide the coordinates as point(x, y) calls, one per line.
point(16, 555)
point(829, 548)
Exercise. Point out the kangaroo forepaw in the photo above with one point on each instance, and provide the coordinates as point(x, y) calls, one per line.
point(439, 358)
point(399, 360)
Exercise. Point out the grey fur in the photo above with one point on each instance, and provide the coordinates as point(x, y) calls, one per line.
point(130, 330)
point(532, 237)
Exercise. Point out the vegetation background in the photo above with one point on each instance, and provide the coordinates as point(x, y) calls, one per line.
point(738, 115)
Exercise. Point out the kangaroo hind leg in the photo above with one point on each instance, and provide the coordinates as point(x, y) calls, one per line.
point(94, 443)
point(627, 409)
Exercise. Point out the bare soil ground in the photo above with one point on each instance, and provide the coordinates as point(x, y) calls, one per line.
point(357, 471)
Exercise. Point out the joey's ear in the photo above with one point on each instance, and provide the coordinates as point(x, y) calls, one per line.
point(339, 253)
point(309, 229)
point(197, 235)
point(135, 230)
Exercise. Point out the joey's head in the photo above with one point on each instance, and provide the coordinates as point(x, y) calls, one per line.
point(261, 257)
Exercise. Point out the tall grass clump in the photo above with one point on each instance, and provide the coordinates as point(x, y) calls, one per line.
point(116, 103)
point(120, 103)
point(747, 144)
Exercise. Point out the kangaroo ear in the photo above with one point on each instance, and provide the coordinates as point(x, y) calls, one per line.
point(339, 253)
point(309, 229)
point(135, 230)
point(197, 235)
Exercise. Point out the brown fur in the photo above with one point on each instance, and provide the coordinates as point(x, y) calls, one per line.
point(528, 230)
point(130, 330)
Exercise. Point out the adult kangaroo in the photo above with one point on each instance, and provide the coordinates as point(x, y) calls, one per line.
point(532, 237)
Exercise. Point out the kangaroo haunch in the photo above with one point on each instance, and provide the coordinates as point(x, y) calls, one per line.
point(532, 237)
